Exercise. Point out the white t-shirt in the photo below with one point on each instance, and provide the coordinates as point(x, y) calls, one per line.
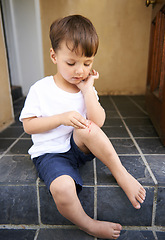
point(45, 99)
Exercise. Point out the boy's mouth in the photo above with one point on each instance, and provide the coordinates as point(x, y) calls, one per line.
point(78, 78)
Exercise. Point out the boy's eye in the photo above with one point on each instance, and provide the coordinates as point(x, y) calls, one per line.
point(87, 65)
point(70, 64)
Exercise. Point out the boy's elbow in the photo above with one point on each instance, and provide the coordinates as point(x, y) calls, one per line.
point(102, 119)
point(27, 127)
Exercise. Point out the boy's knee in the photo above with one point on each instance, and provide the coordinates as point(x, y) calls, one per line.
point(85, 132)
point(62, 189)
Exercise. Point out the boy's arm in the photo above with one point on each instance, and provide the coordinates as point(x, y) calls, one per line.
point(34, 125)
point(95, 112)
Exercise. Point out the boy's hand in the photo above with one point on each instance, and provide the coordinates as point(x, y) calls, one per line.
point(88, 82)
point(74, 119)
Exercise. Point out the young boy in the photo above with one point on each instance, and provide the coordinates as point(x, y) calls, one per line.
point(63, 115)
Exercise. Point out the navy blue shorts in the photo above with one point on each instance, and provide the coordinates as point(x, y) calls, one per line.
point(52, 165)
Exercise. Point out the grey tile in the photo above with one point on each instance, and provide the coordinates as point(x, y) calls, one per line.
point(17, 110)
point(87, 173)
point(17, 169)
point(11, 132)
point(124, 146)
point(106, 103)
point(143, 131)
point(160, 209)
point(136, 235)
point(160, 235)
point(17, 123)
point(86, 197)
point(49, 212)
point(21, 147)
point(127, 108)
point(104, 176)
point(5, 144)
point(19, 102)
point(151, 146)
point(140, 100)
point(134, 165)
point(18, 205)
point(113, 122)
point(157, 165)
point(63, 234)
point(25, 135)
point(114, 206)
point(17, 234)
point(110, 114)
point(116, 132)
point(138, 121)
point(131, 112)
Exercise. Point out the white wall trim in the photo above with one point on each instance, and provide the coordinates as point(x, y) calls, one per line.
point(39, 36)
point(15, 42)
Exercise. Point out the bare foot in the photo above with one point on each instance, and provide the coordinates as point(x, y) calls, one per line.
point(105, 230)
point(132, 188)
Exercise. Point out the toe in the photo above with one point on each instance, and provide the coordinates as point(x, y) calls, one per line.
point(142, 190)
point(137, 206)
point(135, 203)
point(142, 194)
point(117, 231)
point(115, 236)
point(139, 199)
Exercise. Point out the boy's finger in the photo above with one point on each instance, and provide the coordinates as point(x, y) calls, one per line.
point(81, 122)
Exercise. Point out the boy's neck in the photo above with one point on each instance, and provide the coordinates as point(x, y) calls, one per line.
point(64, 85)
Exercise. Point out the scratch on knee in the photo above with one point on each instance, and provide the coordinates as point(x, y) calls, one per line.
point(90, 127)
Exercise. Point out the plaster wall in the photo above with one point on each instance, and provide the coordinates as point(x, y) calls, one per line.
point(123, 27)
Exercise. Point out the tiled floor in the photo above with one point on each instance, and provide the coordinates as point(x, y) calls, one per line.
point(27, 210)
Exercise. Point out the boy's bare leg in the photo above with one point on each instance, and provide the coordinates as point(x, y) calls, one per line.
point(63, 190)
point(94, 139)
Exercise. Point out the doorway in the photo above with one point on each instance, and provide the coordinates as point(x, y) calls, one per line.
point(21, 22)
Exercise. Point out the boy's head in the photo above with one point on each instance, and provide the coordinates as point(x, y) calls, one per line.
point(78, 32)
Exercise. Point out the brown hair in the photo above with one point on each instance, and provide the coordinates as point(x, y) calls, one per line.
point(75, 29)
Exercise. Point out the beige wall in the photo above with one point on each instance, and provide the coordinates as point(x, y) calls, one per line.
point(123, 27)
point(6, 109)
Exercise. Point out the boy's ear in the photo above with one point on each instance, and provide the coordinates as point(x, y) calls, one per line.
point(53, 56)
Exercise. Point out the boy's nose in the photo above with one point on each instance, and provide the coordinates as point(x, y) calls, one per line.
point(79, 70)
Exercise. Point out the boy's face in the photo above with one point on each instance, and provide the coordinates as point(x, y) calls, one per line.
point(72, 66)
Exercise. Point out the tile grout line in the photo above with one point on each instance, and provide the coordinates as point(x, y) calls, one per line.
point(47, 226)
point(36, 227)
point(95, 191)
point(154, 205)
point(19, 99)
point(95, 188)
point(154, 233)
point(137, 105)
point(4, 153)
point(38, 201)
point(137, 146)
point(36, 234)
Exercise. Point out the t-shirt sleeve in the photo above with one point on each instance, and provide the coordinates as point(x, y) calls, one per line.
point(32, 105)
